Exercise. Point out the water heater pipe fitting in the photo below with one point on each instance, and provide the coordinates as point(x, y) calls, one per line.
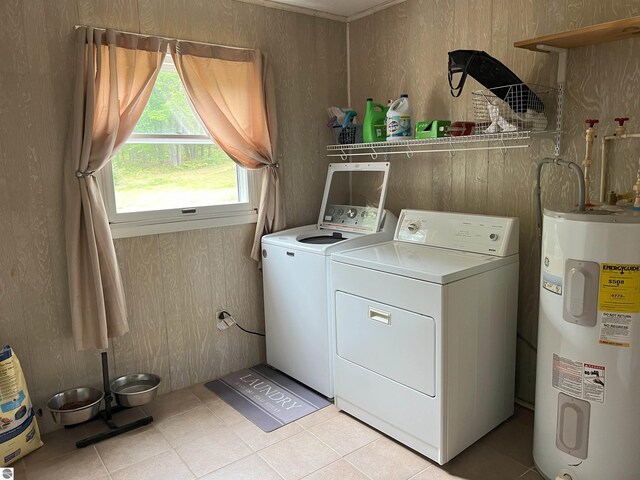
point(620, 134)
point(590, 136)
point(604, 161)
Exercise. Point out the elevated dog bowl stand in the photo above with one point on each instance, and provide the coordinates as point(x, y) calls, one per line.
point(108, 411)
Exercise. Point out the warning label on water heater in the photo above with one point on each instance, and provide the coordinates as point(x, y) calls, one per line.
point(581, 380)
point(593, 382)
point(615, 329)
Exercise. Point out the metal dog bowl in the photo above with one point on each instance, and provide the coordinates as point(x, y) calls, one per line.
point(88, 398)
point(135, 389)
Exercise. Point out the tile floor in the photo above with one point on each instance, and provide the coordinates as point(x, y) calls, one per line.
point(197, 435)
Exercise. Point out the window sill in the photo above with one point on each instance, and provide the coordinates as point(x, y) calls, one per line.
point(154, 227)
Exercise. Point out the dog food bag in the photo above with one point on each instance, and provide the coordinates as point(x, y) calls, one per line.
point(19, 433)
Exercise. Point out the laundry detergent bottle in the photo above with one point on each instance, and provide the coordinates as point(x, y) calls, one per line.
point(399, 120)
point(374, 127)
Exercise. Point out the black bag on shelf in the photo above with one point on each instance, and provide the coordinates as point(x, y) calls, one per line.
point(491, 73)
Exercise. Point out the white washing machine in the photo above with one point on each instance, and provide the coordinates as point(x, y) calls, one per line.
point(426, 330)
point(295, 263)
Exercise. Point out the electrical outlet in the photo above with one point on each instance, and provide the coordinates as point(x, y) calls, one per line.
point(225, 320)
point(222, 325)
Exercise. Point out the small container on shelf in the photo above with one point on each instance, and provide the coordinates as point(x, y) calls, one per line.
point(461, 129)
point(432, 129)
point(350, 134)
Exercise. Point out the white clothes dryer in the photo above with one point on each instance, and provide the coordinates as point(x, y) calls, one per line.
point(298, 313)
point(426, 330)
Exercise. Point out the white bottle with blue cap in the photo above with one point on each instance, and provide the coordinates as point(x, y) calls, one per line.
point(399, 120)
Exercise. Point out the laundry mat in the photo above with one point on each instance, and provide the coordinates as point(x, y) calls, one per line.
point(266, 397)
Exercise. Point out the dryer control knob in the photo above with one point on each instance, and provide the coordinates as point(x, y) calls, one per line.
point(413, 227)
point(352, 213)
point(493, 237)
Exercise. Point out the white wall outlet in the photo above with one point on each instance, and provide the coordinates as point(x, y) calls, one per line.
point(222, 325)
point(225, 320)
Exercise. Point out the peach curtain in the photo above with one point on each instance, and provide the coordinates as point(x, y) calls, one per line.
point(232, 91)
point(115, 73)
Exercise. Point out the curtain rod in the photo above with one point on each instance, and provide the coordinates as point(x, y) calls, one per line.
point(164, 38)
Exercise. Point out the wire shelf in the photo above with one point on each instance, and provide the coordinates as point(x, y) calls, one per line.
point(484, 137)
point(485, 141)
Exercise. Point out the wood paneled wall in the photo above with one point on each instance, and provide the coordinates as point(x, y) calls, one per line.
point(174, 282)
point(404, 49)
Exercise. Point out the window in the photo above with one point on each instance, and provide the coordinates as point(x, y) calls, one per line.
point(170, 175)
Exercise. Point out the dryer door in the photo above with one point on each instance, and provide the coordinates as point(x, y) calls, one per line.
point(395, 343)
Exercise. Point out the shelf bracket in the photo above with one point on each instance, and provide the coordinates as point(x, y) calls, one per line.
point(503, 150)
point(563, 54)
point(374, 154)
point(343, 155)
point(409, 152)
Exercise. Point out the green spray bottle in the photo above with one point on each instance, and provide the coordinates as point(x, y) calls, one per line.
point(374, 128)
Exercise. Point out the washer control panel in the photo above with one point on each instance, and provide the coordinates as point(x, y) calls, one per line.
point(349, 215)
point(459, 231)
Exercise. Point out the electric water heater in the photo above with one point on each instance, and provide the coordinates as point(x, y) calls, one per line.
point(587, 418)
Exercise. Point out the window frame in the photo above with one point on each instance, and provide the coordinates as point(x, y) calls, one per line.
point(130, 224)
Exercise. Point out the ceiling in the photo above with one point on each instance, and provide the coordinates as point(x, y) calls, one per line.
point(348, 9)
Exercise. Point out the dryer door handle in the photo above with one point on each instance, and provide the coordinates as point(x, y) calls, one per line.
point(379, 316)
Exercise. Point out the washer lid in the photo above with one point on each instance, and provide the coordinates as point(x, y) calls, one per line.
point(292, 239)
point(354, 196)
point(431, 264)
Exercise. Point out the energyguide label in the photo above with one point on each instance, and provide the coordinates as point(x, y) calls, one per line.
point(618, 302)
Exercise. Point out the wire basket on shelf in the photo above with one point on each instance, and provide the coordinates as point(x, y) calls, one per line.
point(347, 135)
point(514, 108)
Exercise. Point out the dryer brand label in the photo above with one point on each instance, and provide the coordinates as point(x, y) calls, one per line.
point(619, 288)
point(580, 380)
